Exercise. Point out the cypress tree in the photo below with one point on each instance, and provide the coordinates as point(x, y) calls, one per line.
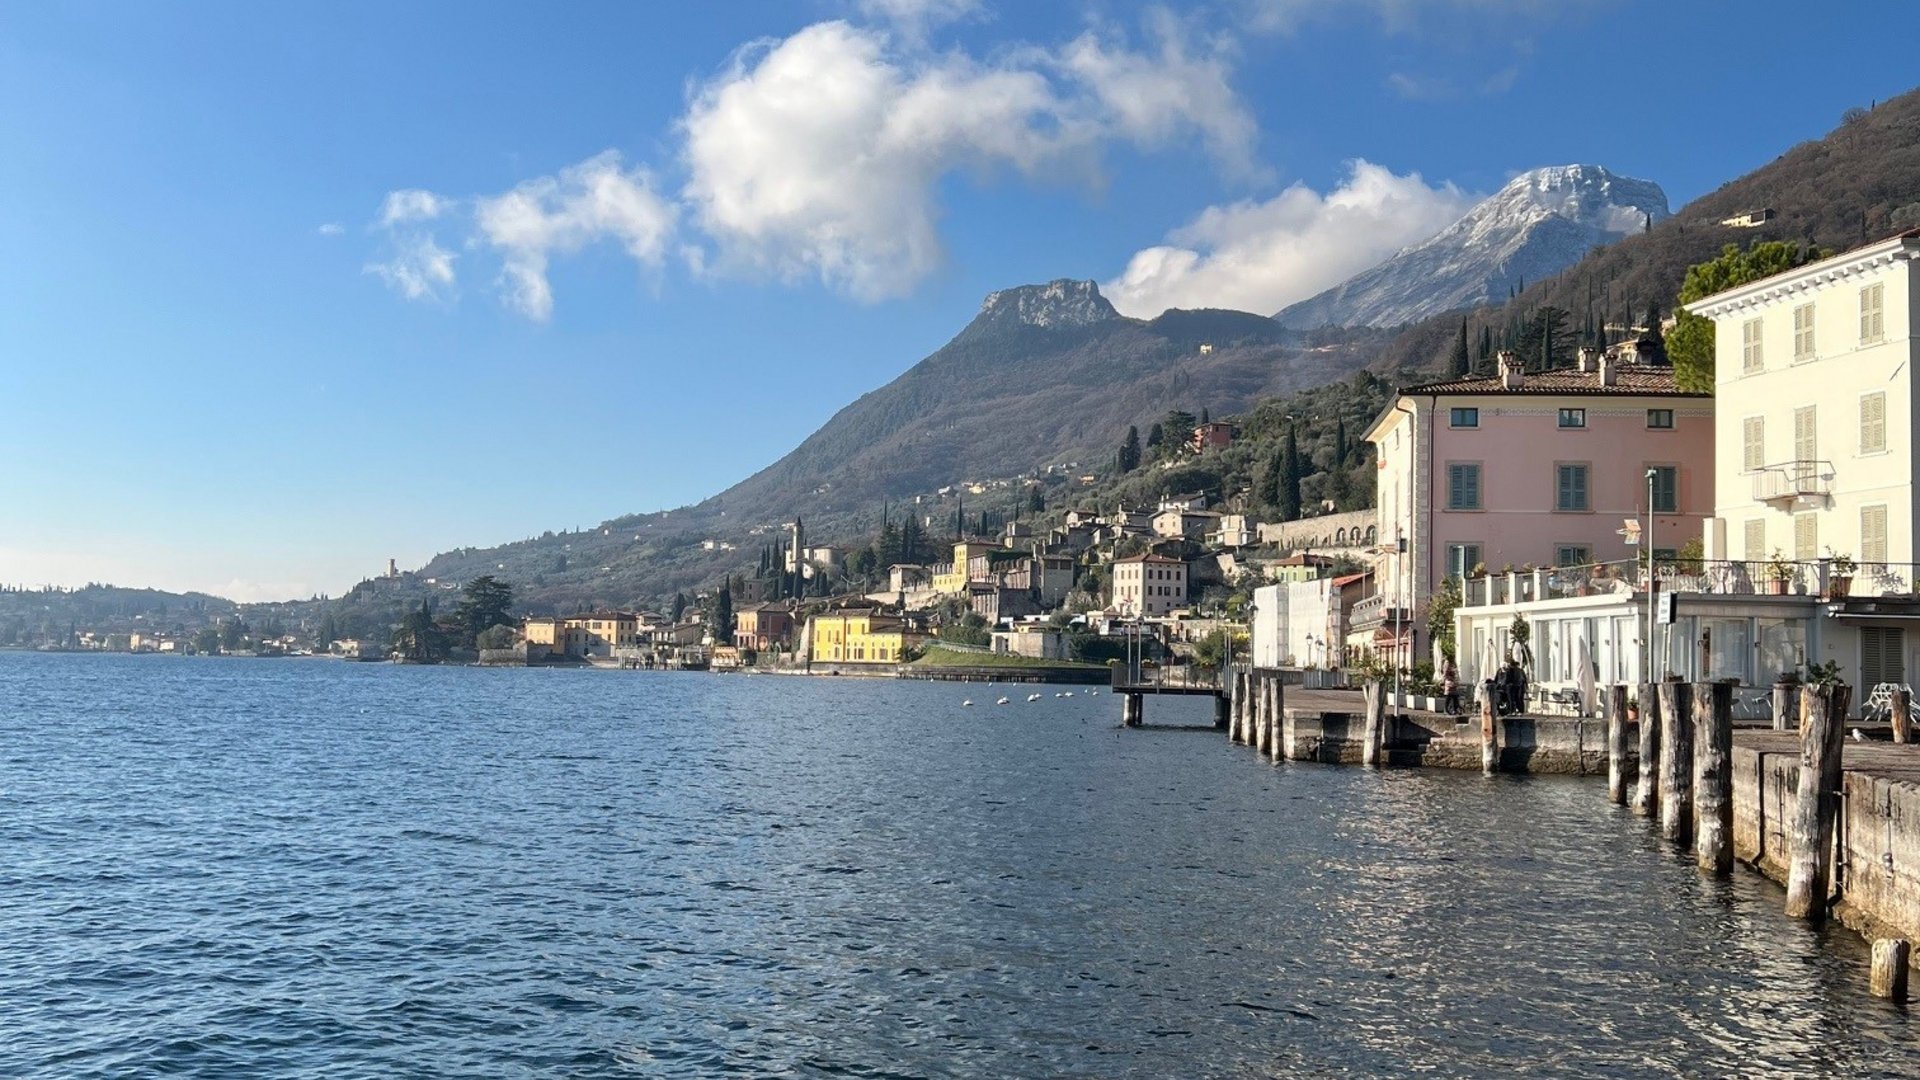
point(1289, 502)
point(1129, 459)
point(1462, 363)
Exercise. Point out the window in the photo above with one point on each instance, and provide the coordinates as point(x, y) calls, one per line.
point(1571, 488)
point(1873, 421)
point(1663, 488)
point(1872, 314)
point(1803, 332)
point(1753, 443)
point(1806, 537)
point(1751, 358)
point(1756, 540)
point(1873, 534)
point(1573, 418)
point(1806, 442)
point(1463, 486)
point(1462, 558)
point(1464, 418)
point(1572, 555)
point(1660, 419)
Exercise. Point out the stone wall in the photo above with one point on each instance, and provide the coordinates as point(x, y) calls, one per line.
point(1528, 744)
point(1354, 530)
point(1877, 880)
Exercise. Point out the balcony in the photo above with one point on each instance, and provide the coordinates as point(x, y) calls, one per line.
point(1820, 578)
point(1793, 485)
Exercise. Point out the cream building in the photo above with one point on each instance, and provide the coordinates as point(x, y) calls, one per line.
point(1815, 388)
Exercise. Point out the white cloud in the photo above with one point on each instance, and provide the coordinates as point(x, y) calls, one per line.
point(819, 155)
point(418, 269)
point(559, 215)
point(1406, 16)
point(916, 17)
point(331, 228)
point(410, 205)
point(1262, 256)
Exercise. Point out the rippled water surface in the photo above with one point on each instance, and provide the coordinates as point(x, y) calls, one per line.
point(279, 868)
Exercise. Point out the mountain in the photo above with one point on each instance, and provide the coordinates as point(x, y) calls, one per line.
point(1857, 184)
point(1540, 223)
point(1043, 375)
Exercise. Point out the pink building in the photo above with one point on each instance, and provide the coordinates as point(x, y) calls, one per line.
point(1540, 469)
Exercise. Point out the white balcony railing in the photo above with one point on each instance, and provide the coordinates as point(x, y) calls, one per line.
point(1792, 481)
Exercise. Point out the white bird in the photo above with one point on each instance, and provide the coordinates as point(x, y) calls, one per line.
point(1002, 701)
point(1067, 694)
point(1033, 697)
point(1857, 736)
point(969, 701)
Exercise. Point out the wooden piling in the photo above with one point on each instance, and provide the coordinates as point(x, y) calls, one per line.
point(1375, 695)
point(1262, 724)
point(1890, 960)
point(1902, 714)
point(1646, 796)
point(1289, 735)
point(1816, 800)
point(1616, 706)
point(1786, 705)
point(1237, 723)
point(1132, 710)
point(1223, 707)
point(1489, 732)
point(1676, 762)
point(1713, 777)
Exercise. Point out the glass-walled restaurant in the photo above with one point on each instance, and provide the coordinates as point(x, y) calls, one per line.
point(1751, 639)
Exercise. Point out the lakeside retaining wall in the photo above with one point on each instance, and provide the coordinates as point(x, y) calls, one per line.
point(1537, 744)
point(1876, 834)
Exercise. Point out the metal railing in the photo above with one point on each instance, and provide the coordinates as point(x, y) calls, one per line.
point(1827, 578)
point(1170, 676)
point(1793, 480)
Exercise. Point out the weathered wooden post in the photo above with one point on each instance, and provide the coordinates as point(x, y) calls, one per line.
point(1786, 704)
point(1646, 797)
point(1713, 777)
point(1289, 736)
point(1890, 959)
point(1489, 731)
point(1224, 705)
point(1376, 701)
point(1676, 762)
point(1132, 710)
point(1816, 798)
point(1262, 725)
point(1902, 713)
point(1237, 726)
point(1616, 705)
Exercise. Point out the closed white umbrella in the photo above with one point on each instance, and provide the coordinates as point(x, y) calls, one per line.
point(1588, 692)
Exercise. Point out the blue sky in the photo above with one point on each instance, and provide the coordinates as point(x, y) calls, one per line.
point(293, 288)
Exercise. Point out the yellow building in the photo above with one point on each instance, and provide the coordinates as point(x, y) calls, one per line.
point(859, 637)
point(595, 634)
point(950, 579)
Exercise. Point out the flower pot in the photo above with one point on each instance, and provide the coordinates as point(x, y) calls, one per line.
point(1839, 585)
point(1777, 587)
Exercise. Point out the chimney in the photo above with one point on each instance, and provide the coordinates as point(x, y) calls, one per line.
point(1609, 369)
point(1589, 359)
point(1511, 369)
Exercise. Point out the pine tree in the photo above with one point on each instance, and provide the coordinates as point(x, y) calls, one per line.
point(1155, 437)
point(1129, 459)
point(1462, 362)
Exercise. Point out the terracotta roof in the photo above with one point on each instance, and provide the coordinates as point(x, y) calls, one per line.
point(1147, 559)
point(1631, 380)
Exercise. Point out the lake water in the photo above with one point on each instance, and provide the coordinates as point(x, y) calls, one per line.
point(308, 868)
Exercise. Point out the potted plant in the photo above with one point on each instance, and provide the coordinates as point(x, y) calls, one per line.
point(1777, 572)
point(1633, 710)
point(1840, 570)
